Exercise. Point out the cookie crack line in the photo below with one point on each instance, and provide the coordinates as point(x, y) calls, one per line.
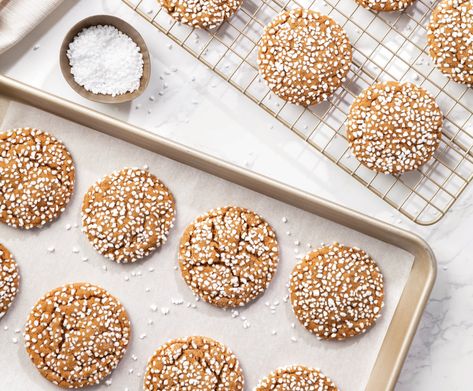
point(209, 367)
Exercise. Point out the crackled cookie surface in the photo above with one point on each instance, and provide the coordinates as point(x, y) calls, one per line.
point(394, 127)
point(205, 14)
point(228, 256)
point(36, 177)
point(337, 291)
point(76, 335)
point(296, 378)
point(304, 56)
point(9, 280)
point(193, 364)
point(128, 214)
point(450, 39)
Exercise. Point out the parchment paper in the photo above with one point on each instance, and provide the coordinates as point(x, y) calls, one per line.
point(156, 280)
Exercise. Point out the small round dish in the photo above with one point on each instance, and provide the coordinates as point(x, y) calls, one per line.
point(125, 28)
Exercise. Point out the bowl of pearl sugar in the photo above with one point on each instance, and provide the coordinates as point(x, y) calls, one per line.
point(106, 60)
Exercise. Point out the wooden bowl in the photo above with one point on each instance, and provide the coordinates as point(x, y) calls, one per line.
point(125, 28)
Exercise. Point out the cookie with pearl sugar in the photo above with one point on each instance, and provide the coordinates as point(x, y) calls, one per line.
point(36, 177)
point(337, 292)
point(206, 14)
point(128, 214)
point(9, 280)
point(228, 256)
point(450, 41)
point(394, 127)
point(193, 364)
point(304, 56)
point(296, 378)
point(76, 335)
point(385, 5)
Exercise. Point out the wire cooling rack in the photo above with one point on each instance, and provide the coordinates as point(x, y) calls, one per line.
point(387, 46)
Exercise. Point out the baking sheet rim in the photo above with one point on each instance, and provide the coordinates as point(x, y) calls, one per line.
point(415, 295)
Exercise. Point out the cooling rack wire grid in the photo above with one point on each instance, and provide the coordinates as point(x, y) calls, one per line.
point(387, 46)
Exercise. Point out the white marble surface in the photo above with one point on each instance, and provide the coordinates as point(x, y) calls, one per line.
point(207, 115)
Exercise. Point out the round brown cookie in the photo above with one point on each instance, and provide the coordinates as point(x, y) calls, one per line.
point(36, 177)
point(450, 40)
point(394, 127)
point(205, 14)
point(228, 256)
point(304, 56)
point(193, 364)
point(9, 280)
point(77, 334)
point(128, 214)
point(337, 291)
point(385, 5)
point(296, 378)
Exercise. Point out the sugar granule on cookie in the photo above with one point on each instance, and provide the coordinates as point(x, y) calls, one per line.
point(228, 256)
point(128, 214)
point(304, 56)
point(76, 335)
point(193, 364)
point(206, 14)
point(337, 291)
point(450, 39)
point(36, 177)
point(394, 127)
point(296, 378)
point(9, 280)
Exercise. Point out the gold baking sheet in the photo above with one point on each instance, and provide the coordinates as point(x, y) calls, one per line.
point(406, 260)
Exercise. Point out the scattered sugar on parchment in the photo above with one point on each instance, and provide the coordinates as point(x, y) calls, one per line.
point(105, 61)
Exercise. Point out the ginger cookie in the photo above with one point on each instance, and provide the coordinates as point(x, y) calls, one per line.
point(9, 280)
point(304, 56)
point(128, 214)
point(228, 256)
point(394, 127)
point(385, 5)
point(193, 364)
point(36, 177)
point(296, 378)
point(450, 39)
point(337, 291)
point(77, 334)
point(206, 14)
